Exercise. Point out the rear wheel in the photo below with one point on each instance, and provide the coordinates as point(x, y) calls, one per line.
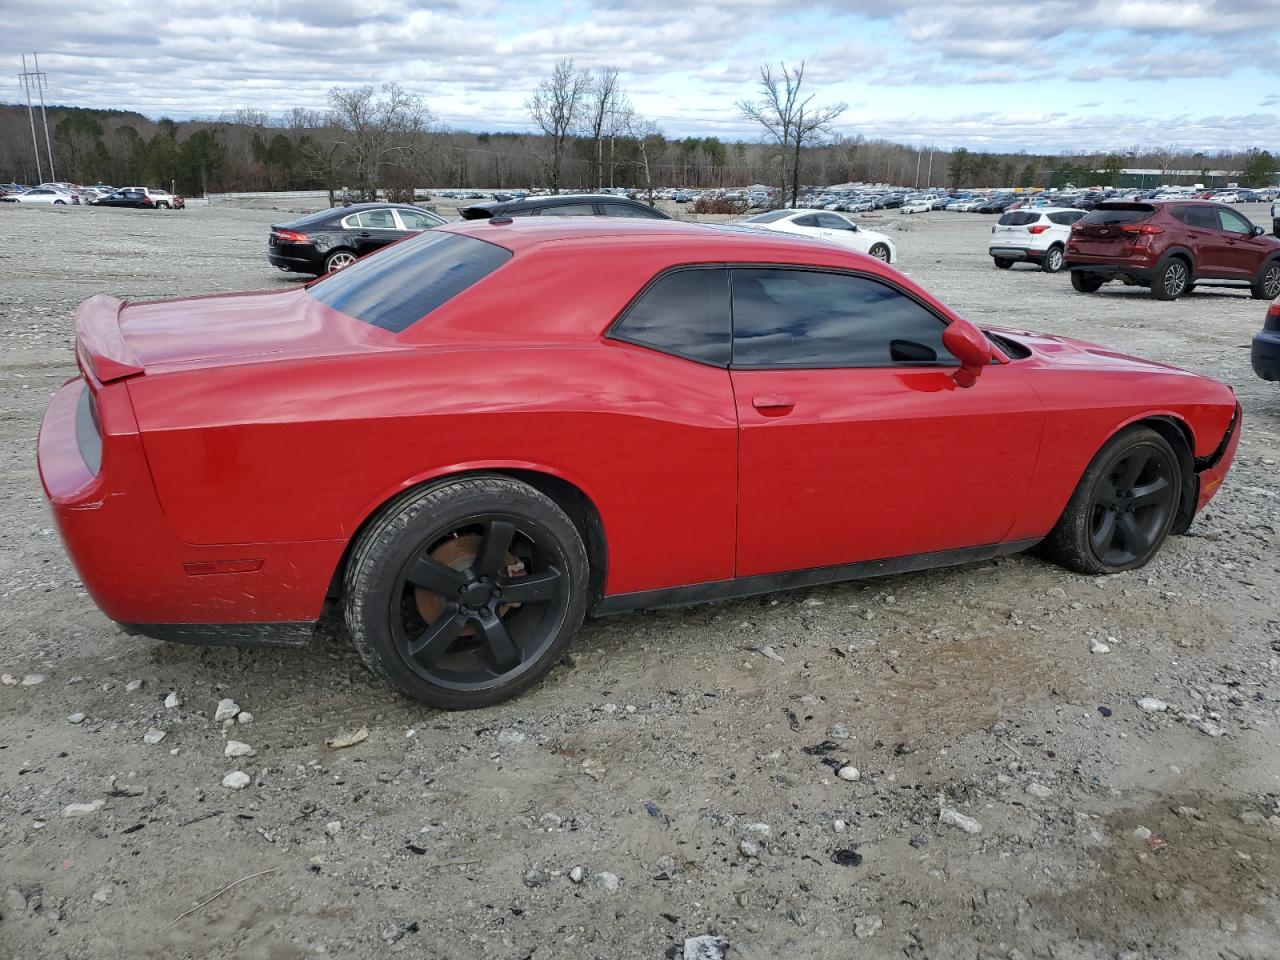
point(467, 593)
point(1267, 286)
point(1172, 279)
point(1051, 262)
point(1085, 282)
point(1004, 263)
point(880, 251)
point(337, 260)
point(1123, 507)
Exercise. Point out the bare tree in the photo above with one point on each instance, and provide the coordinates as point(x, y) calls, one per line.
point(555, 107)
point(649, 140)
point(789, 119)
point(378, 132)
point(607, 113)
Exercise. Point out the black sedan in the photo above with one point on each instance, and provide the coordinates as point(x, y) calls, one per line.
point(1266, 345)
point(126, 197)
point(331, 239)
point(566, 205)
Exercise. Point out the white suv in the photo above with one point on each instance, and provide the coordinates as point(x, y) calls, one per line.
point(1038, 234)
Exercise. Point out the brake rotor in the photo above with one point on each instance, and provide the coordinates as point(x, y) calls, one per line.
point(459, 553)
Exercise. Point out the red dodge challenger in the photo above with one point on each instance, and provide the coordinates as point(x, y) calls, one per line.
point(477, 436)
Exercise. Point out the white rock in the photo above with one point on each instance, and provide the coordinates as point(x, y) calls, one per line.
point(103, 893)
point(133, 686)
point(749, 849)
point(575, 875)
point(76, 718)
point(236, 780)
point(1152, 705)
point(1142, 833)
point(1039, 790)
point(227, 709)
point(172, 701)
point(760, 831)
point(244, 716)
point(31, 679)
point(864, 927)
point(606, 881)
point(706, 947)
point(1209, 728)
point(772, 654)
point(849, 773)
point(83, 809)
point(509, 738)
point(839, 826)
point(838, 731)
point(333, 827)
point(610, 708)
point(954, 818)
point(153, 736)
point(9, 680)
point(237, 748)
point(1097, 646)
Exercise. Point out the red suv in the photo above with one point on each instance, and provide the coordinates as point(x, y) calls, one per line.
point(1170, 246)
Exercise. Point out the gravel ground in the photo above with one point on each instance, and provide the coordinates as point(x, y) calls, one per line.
point(677, 776)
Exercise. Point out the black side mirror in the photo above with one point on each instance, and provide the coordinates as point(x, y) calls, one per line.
point(1258, 231)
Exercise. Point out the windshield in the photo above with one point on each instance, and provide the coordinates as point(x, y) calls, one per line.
point(402, 283)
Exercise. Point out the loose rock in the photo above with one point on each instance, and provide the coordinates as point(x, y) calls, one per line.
point(172, 701)
point(31, 679)
point(76, 718)
point(1097, 646)
point(237, 748)
point(227, 709)
point(848, 773)
point(954, 818)
point(153, 736)
point(706, 947)
point(606, 881)
point(1152, 705)
point(83, 809)
point(236, 780)
point(864, 927)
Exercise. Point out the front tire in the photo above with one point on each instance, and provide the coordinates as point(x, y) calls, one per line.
point(1172, 279)
point(1083, 282)
point(1122, 509)
point(880, 251)
point(1267, 286)
point(467, 593)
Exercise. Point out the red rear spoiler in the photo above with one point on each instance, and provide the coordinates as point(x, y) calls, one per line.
point(101, 350)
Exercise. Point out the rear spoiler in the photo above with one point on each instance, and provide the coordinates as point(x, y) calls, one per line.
point(101, 351)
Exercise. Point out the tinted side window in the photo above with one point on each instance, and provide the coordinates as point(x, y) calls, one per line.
point(1066, 219)
point(802, 318)
point(415, 220)
point(1232, 222)
point(570, 210)
point(378, 219)
point(829, 221)
point(685, 313)
point(625, 210)
point(406, 281)
point(809, 221)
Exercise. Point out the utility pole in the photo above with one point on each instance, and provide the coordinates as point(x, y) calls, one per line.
point(26, 77)
point(929, 175)
point(919, 157)
point(41, 82)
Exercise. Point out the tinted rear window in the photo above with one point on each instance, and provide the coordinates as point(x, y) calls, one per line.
point(1119, 213)
point(1019, 218)
point(769, 217)
point(401, 284)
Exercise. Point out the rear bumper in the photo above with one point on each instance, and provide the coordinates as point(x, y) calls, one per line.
point(131, 563)
point(1265, 356)
point(1008, 252)
point(293, 258)
point(1136, 272)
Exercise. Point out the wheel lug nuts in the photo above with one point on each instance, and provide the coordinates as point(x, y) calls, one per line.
point(495, 592)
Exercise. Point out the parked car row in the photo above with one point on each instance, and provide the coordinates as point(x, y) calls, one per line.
point(70, 194)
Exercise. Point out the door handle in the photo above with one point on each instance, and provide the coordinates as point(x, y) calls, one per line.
point(364, 233)
point(773, 401)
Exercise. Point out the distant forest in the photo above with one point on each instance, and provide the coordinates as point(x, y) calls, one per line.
point(363, 144)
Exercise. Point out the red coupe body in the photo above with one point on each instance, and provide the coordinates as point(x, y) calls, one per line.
point(217, 456)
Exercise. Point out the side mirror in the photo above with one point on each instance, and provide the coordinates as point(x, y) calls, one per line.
point(1258, 231)
point(971, 347)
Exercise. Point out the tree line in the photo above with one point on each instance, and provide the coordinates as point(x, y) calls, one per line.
point(587, 135)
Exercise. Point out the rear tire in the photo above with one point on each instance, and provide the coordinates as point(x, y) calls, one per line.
point(1004, 263)
point(1123, 507)
point(1171, 280)
point(466, 593)
point(1051, 262)
point(1267, 286)
point(338, 260)
point(1085, 282)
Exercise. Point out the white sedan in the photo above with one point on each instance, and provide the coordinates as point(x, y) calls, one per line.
point(824, 225)
point(45, 193)
point(922, 204)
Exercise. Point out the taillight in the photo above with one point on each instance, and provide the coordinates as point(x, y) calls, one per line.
point(1038, 229)
point(291, 236)
point(1145, 229)
point(1273, 316)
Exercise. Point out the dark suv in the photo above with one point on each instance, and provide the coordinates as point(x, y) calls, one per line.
point(1171, 246)
point(564, 205)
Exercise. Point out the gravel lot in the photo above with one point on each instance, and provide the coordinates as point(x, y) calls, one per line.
point(652, 757)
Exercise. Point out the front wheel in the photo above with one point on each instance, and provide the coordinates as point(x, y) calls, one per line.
point(1267, 286)
point(1051, 262)
point(467, 593)
point(880, 251)
point(1171, 280)
point(1123, 507)
point(1085, 282)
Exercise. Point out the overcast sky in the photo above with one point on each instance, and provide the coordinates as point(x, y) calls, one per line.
point(1040, 75)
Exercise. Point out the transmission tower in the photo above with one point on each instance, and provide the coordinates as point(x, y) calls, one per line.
point(34, 77)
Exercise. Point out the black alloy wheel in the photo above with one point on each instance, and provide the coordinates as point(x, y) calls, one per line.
point(1123, 508)
point(1267, 286)
point(465, 593)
